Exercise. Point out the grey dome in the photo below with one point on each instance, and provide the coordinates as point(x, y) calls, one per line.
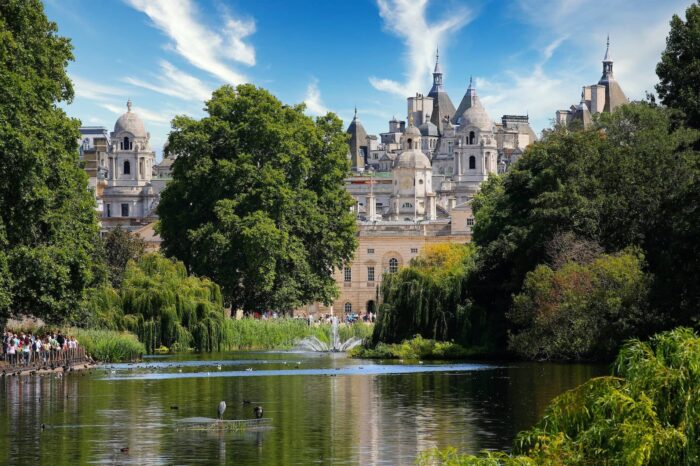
point(428, 129)
point(412, 159)
point(130, 123)
point(476, 116)
point(412, 131)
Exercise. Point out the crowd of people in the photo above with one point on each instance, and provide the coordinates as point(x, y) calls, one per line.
point(21, 348)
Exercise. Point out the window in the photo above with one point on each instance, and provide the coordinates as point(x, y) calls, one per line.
point(472, 137)
point(370, 251)
point(393, 265)
point(127, 167)
point(126, 145)
point(470, 222)
point(407, 205)
point(420, 181)
point(109, 210)
point(348, 308)
point(125, 210)
point(347, 274)
point(472, 162)
point(414, 250)
point(86, 144)
point(370, 274)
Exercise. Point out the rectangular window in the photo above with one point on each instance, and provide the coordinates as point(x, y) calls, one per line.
point(470, 222)
point(414, 250)
point(125, 210)
point(347, 274)
point(370, 251)
point(370, 274)
point(109, 210)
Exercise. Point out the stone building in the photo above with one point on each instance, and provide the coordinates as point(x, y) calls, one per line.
point(605, 96)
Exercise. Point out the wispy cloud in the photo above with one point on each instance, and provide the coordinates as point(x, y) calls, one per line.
point(313, 101)
point(174, 82)
point(95, 91)
point(198, 43)
point(407, 19)
point(148, 115)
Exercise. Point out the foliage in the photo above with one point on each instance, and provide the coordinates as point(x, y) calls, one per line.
point(256, 334)
point(415, 348)
point(679, 68)
point(48, 225)
point(163, 305)
point(426, 298)
point(257, 201)
point(648, 413)
point(108, 345)
point(580, 311)
point(596, 186)
point(120, 247)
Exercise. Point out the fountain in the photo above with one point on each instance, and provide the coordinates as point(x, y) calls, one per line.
point(336, 346)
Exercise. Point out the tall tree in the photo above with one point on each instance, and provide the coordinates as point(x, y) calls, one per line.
point(257, 201)
point(679, 68)
point(120, 247)
point(48, 226)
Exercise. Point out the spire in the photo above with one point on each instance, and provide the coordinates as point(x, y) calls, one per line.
point(607, 51)
point(471, 90)
point(355, 117)
point(607, 65)
point(437, 63)
point(128, 105)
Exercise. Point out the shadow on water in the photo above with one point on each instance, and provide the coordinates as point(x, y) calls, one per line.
point(324, 408)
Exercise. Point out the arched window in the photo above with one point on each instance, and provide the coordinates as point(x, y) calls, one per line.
point(348, 308)
point(393, 265)
point(410, 143)
point(127, 143)
point(472, 162)
point(407, 205)
point(472, 137)
point(127, 167)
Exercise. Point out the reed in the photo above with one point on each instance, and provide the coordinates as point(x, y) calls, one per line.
point(108, 345)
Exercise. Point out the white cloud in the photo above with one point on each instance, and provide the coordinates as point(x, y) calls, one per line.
point(313, 101)
point(94, 91)
point(197, 42)
point(407, 20)
point(175, 83)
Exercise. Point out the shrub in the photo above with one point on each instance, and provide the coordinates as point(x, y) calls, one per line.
point(415, 348)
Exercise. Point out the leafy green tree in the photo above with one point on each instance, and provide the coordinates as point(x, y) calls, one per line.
point(610, 185)
point(120, 247)
point(48, 226)
point(257, 201)
point(427, 297)
point(679, 68)
point(580, 311)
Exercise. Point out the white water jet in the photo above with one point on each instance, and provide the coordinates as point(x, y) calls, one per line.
point(336, 346)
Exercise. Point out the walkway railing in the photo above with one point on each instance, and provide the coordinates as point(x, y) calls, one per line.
point(45, 359)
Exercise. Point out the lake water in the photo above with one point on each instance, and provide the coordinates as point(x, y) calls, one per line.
point(325, 409)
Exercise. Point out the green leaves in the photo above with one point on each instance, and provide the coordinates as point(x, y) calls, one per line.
point(257, 201)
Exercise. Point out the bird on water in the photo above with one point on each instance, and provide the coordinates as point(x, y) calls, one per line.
point(220, 411)
point(258, 411)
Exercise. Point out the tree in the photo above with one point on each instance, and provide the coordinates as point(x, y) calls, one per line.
point(612, 185)
point(580, 311)
point(120, 247)
point(427, 297)
point(257, 201)
point(48, 226)
point(679, 68)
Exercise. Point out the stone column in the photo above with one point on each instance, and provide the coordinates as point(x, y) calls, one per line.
point(432, 207)
point(371, 207)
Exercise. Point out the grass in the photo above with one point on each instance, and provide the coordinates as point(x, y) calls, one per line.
point(416, 348)
point(254, 334)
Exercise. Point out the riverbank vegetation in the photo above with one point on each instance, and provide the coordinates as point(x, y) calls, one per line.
point(645, 413)
point(416, 348)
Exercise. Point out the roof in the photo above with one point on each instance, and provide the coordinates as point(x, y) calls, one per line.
point(428, 129)
point(130, 122)
point(412, 158)
point(358, 139)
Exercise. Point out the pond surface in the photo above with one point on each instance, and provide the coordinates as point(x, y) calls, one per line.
point(325, 409)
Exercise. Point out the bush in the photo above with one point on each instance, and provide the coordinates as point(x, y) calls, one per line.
point(108, 345)
point(580, 311)
point(415, 348)
point(647, 413)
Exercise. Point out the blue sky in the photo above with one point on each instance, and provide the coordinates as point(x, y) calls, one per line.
point(527, 56)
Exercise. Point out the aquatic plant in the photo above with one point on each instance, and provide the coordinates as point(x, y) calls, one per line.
point(108, 345)
point(416, 348)
point(646, 413)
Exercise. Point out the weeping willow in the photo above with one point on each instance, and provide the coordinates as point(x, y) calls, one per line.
point(427, 298)
point(164, 306)
point(646, 413)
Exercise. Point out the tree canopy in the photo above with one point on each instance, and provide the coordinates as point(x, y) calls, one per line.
point(48, 225)
point(257, 201)
point(679, 68)
point(120, 247)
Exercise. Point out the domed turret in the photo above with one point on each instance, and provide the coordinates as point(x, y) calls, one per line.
point(131, 123)
point(473, 113)
point(412, 156)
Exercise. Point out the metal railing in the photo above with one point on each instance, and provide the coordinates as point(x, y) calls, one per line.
point(45, 358)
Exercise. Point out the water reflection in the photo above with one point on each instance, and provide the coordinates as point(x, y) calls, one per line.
point(380, 414)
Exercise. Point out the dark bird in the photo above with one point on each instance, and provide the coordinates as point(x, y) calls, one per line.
point(258, 411)
point(124, 450)
point(220, 411)
point(246, 402)
point(174, 407)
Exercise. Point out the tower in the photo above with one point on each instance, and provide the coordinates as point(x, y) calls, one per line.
point(358, 144)
point(442, 105)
